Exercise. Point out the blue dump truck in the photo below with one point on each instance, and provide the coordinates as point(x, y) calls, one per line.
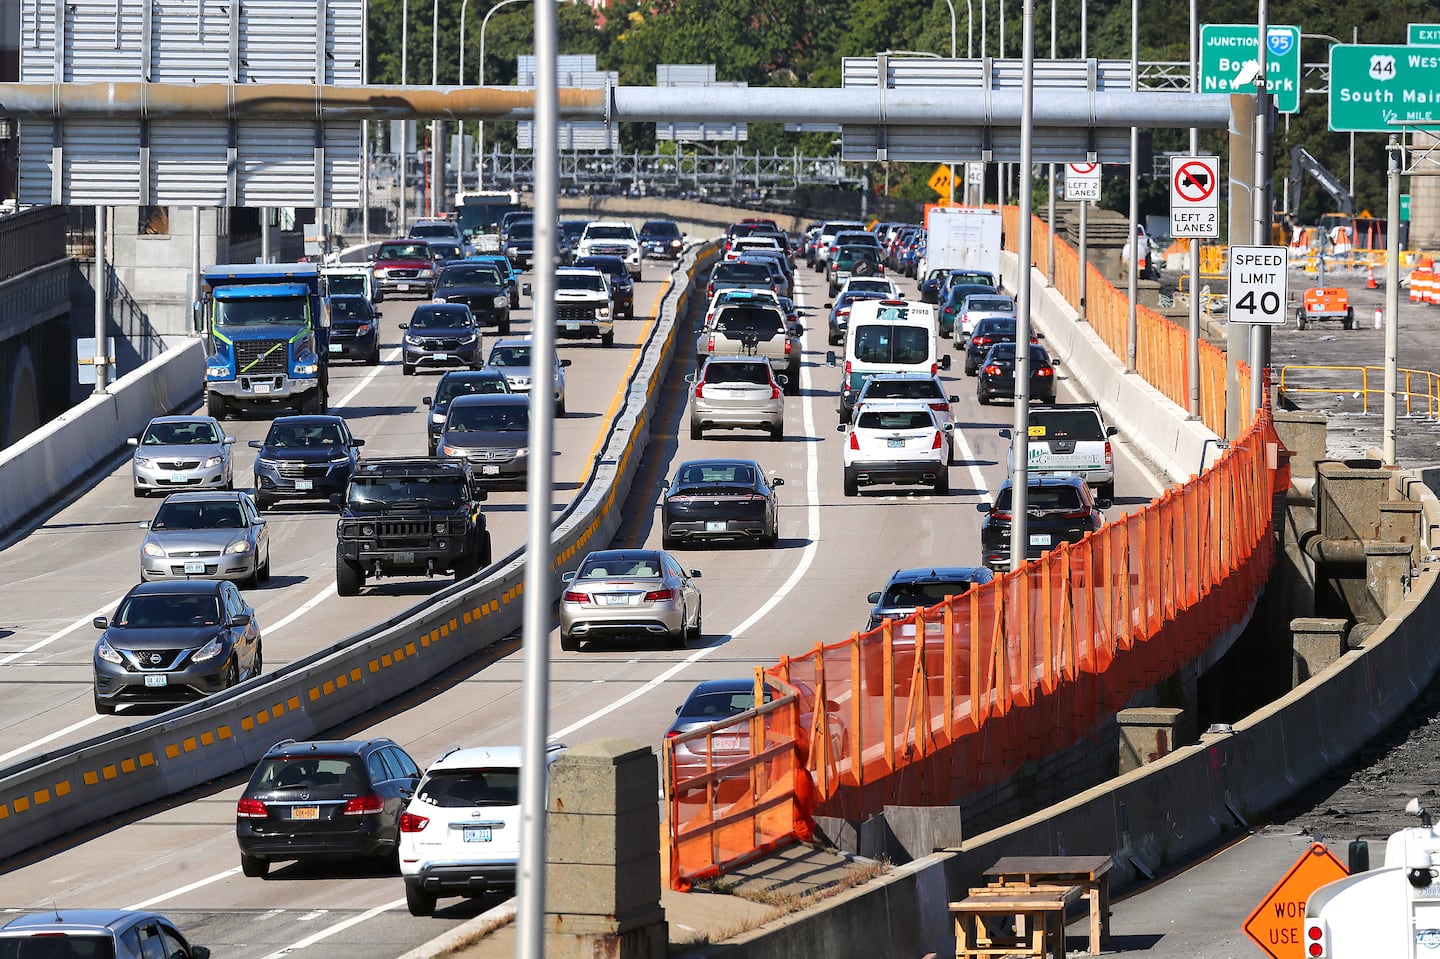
point(265, 343)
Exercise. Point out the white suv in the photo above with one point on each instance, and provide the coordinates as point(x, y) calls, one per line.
point(460, 833)
point(612, 238)
point(897, 444)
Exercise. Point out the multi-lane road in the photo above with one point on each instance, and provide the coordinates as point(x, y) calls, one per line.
point(759, 604)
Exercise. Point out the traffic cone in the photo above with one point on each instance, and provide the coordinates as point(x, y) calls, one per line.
point(1370, 283)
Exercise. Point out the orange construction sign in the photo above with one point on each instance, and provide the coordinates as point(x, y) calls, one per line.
point(1278, 923)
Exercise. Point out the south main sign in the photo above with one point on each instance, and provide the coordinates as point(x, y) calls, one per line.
point(1375, 88)
point(1227, 50)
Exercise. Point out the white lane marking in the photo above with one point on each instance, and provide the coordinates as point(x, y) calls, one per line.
point(977, 481)
point(311, 916)
point(338, 927)
point(812, 517)
point(84, 621)
point(35, 744)
point(197, 884)
point(367, 379)
point(310, 604)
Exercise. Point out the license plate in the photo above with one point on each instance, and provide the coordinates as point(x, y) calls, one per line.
point(489, 471)
point(477, 833)
point(895, 444)
point(304, 484)
point(715, 527)
point(155, 682)
point(572, 326)
point(191, 568)
point(261, 388)
point(334, 347)
point(179, 478)
point(731, 741)
point(304, 812)
point(440, 356)
point(1039, 539)
point(402, 286)
point(405, 558)
point(616, 600)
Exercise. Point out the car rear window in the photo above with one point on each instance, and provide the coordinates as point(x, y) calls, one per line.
point(457, 788)
point(732, 473)
point(902, 389)
point(757, 374)
point(57, 946)
point(320, 776)
point(713, 706)
point(895, 420)
point(466, 386)
point(740, 270)
point(990, 303)
point(498, 418)
point(995, 326)
point(1069, 425)
point(738, 319)
point(1044, 498)
point(888, 343)
point(924, 594)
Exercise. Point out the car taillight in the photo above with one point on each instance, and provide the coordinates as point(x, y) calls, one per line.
point(656, 595)
point(774, 390)
point(788, 346)
point(710, 289)
point(409, 822)
point(842, 314)
point(1045, 371)
point(1109, 456)
point(980, 341)
point(1316, 944)
point(854, 441)
point(1000, 515)
point(671, 733)
point(939, 407)
point(772, 287)
point(251, 809)
point(939, 439)
point(847, 371)
point(363, 806)
point(571, 596)
point(934, 368)
point(993, 370)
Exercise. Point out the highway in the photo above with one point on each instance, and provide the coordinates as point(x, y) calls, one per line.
point(180, 857)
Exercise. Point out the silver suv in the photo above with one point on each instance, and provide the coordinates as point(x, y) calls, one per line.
point(1072, 439)
point(737, 392)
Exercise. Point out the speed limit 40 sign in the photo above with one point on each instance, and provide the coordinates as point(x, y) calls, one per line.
point(1258, 285)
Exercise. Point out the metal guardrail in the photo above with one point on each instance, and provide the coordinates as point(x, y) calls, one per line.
point(1362, 382)
point(47, 796)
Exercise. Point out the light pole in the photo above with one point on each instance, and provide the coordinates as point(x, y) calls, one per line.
point(969, 29)
point(479, 81)
point(402, 153)
point(437, 127)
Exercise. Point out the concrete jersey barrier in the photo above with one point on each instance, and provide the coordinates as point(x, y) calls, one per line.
point(47, 796)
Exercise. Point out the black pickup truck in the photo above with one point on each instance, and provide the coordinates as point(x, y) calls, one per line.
point(409, 516)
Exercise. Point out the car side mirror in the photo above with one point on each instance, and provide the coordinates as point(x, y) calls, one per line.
point(873, 598)
point(404, 326)
point(568, 577)
point(240, 619)
point(428, 400)
point(228, 441)
point(356, 442)
point(256, 444)
point(480, 495)
point(982, 507)
point(945, 362)
point(695, 574)
point(1055, 361)
point(839, 427)
point(566, 362)
point(777, 481)
point(143, 524)
point(1111, 430)
point(100, 622)
point(829, 306)
point(1104, 503)
point(1039, 336)
point(691, 377)
point(1005, 434)
point(948, 427)
point(953, 399)
point(133, 441)
point(199, 952)
point(525, 289)
point(782, 379)
point(829, 357)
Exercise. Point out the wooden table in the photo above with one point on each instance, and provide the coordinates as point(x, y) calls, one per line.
point(1090, 873)
point(1039, 922)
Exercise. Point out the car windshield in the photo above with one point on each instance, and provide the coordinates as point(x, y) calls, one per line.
point(459, 788)
point(305, 436)
point(996, 303)
point(895, 420)
point(262, 311)
point(453, 386)
point(202, 515)
point(730, 474)
point(324, 777)
point(1043, 498)
point(427, 230)
point(1067, 425)
point(742, 271)
point(448, 251)
point(888, 343)
point(499, 418)
point(996, 326)
point(923, 594)
point(403, 251)
point(645, 566)
point(167, 611)
point(372, 492)
point(878, 389)
point(471, 276)
point(661, 228)
point(571, 229)
point(589, 282)
point(439, 320)
point(349, 308)
point(180, 434)
point(738, 319)
point(523, 230)
point(509, 356)
point(352, 283)
point(755, 374)
point(68, 945)
point(609, 233)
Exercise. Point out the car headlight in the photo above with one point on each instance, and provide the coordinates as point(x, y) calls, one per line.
point(500, 302)
point(217, 372)
point(213, 462)
point(209, 651)
point(603, 313)
point(339, 460)
point(239, 546)
point(143, 461)
point(451, 451)
point(468, 339)
point(437, 418)
point(426, 273)
point(412, 340)
point(381, 273)
point(307, 369)
point(266, 461)
point(367, 530)
point(107, 652)
point(151, 549)
point(362, 329)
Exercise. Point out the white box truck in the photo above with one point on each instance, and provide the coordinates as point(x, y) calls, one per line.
point(962, 238)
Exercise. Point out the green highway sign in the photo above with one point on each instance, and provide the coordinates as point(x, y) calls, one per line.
point(1377, 89)
point(1425, 34)
point(1228, 55)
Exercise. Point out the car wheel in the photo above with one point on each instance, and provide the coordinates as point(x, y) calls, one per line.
point(569, 643)
point(852, 486)
point(942, 483)
point(253, 580)
point(348, 578)
point(486, 558)
point(374, 358)
point(792, 384)
point(313, 404)
point(560, 406)
point(681, 636)
point(982, 398)
point(418, 901)
point(257, 665)
point(505, 327)
point(216, 406)
point(407, 369)
point(697, 629)
point(777, 432)
point(1106, 491)
point(970, 369)
point(254, 868)
point(1300, 319)
point(669, 542)
point(465, 567)
point(695, 431)
point(103, 708)
point(514, 305)
point(607, 339)
point(232, 675)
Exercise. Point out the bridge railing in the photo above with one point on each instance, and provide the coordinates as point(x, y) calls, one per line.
point(954, 699)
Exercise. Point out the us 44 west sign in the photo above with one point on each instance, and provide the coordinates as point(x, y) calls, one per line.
point(1373, 88)
point(1258, 285)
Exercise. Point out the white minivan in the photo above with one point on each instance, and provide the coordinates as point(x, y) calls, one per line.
point(888, 336)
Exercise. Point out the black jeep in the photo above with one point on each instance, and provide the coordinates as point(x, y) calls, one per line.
point(409, 516)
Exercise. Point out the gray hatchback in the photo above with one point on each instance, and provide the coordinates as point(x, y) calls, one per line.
point(95, 934)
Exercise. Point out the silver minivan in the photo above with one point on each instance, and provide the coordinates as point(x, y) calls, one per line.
point(733, 392)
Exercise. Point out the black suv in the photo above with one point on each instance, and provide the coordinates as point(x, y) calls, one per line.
point(304, 457)
point(325, 800)
point(1060, 509)
point(409, 516)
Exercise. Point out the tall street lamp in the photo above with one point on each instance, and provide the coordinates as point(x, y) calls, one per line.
point(479, 81)
point(969, 29)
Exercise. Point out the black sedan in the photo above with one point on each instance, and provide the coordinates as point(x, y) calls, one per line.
point(479, 286)
point(1059, 509)
point(997, 374)
point(721, 499)
point(622, 287)
point(988, 332)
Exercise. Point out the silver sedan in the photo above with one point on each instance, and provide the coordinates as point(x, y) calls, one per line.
point(629, 592)
point(181, 452)
point(218, 535)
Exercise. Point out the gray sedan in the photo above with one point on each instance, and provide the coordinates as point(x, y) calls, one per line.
point(629, 592)
point(218, 535)
point(181, 452)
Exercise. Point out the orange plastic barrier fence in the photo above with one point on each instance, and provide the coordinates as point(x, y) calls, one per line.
point(955, 699)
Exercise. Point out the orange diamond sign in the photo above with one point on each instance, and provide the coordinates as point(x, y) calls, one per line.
point(1277, 925)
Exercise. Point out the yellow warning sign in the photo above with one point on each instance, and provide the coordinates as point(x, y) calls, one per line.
point(940, 180)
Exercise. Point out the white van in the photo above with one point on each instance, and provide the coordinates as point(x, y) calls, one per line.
point(353, 279)
point(888, 336)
